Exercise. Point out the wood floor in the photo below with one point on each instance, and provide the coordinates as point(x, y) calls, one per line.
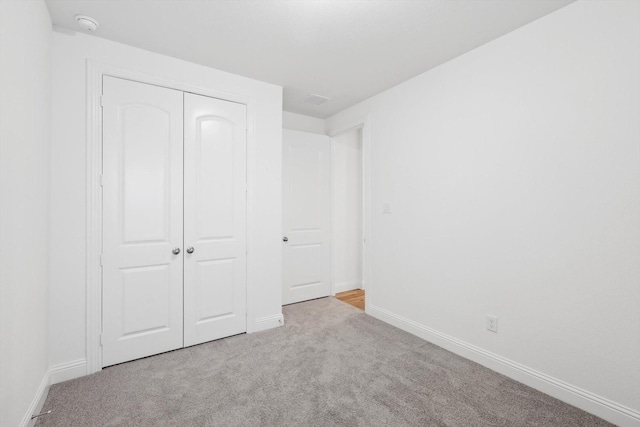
point(355, 298)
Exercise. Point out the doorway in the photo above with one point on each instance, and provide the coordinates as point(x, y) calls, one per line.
point(324, 195)
point(347, 216)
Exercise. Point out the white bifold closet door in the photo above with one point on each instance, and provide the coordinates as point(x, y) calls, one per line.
point(174, 219)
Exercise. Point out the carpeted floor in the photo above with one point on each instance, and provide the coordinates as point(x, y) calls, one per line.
point(330, 365)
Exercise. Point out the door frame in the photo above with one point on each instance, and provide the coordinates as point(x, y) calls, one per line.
point(95, 72)
point(365, 125)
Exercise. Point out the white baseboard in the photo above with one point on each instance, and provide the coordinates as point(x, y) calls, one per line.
point(31, 411)
point(68, 371)
point(347, 286)
point(611, 411)
point(267, 322)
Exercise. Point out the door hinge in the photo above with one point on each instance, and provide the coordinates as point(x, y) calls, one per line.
point(101, 340)
point(101, 180)
point(101, 260)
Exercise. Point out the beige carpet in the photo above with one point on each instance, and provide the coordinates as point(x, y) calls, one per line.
point(330, 365)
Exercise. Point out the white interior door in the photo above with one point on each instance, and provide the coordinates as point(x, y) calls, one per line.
point(142, 220)
point(306, 216)
point(215, 219)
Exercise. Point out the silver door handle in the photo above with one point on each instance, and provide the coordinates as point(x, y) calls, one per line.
point(190, 250)
point(285, 239)
point(176, 251)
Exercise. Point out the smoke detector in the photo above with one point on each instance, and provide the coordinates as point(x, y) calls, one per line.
point(87, 23)
point(315, 99)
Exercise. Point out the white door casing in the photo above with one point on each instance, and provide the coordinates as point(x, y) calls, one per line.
point(142, 220)
point(306, 216)
point(214, 219)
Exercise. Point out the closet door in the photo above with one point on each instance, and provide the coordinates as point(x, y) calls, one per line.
point(142, 220)
point(215, 219)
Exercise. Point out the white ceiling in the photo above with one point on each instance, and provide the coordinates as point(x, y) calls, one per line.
point(347, 50)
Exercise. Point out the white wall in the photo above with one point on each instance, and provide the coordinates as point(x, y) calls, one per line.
point(68, 181)
point(25, 113)
point(347, 211)
point(514, 177)
point(302, 123)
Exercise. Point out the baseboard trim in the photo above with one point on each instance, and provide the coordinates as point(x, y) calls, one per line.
point(609, 410)
point(31, 411)
point(68, 371)
point(268, 322)
point(347, 286)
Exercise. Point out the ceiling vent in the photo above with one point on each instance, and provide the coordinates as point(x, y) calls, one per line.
point(315, 99)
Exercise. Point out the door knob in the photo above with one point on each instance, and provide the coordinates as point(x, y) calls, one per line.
point(285, 239)
point(176, 251)
point(190, 250)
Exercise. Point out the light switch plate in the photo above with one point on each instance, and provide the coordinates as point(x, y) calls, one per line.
point(386, 208)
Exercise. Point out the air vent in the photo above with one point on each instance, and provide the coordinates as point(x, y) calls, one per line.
point(315, 99)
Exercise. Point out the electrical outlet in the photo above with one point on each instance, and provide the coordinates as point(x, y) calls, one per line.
point(386, 208)
point(492, 323)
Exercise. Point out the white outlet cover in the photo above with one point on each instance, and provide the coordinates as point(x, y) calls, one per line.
point(492, 323)
point(386, 208)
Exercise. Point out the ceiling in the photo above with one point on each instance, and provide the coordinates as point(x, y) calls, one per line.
point(347, 50)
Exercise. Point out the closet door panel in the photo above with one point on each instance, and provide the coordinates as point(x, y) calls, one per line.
point(215, 218)
point(142, 220)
